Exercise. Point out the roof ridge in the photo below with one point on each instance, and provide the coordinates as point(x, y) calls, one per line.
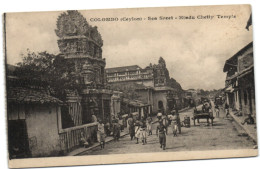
point(122, 67)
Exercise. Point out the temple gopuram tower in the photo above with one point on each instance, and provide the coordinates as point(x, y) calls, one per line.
point(82, 44)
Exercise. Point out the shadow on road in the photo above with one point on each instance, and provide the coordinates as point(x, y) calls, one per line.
point(170, 148)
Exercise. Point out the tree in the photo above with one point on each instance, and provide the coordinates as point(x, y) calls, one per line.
point(57, 73)
point(128, 89)
point(174, 84)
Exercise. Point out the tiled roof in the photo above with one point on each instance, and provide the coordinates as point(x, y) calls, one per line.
point(123, 69)
point(233, 60)
point(25, 95)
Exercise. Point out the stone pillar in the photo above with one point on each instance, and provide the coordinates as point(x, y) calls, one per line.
point(142, 111)
point(88, 74)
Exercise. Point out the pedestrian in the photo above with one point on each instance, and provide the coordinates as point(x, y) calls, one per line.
point(174, 123)
point(248, 120)
point(217, 110)
point(166, 123)
point(116, 130)
point(159, 115)
point(93, 117)
point(178, 122)
point(161, 132)
point(186, 121)
point(108, 129)
point(149, 125)
point(137, 130)
point(94, 120)
point(120, 121)
point(227, 109)
point(101, 134)
point(143, 131)
point(131, 125)
point(205, 107)
point(169, 118)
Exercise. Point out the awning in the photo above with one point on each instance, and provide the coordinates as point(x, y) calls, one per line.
point(230, 89)
point(246, 71)
point(232, 77)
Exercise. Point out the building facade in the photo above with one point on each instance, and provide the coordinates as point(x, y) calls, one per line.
point(132, 73)
point(240, 85)
point(81, 44)
point(153, 84)
point(33, 119)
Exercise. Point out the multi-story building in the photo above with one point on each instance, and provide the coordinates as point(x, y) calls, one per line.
point(132, 73)
point(154, 80)
point(240, 87)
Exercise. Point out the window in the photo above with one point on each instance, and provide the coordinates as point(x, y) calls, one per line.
point(132, 73)
point(121, 73)
point(110, 74)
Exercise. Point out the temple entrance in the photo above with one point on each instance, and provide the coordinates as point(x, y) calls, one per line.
point(106, 108)
point(66, 119)
point(86, 113)
point(160, 106)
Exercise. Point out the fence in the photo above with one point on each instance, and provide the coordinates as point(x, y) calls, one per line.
point(70, 137)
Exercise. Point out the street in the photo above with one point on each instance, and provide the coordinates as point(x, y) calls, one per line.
point(224, 134)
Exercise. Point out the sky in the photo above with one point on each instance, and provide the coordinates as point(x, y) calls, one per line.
point(195, 50)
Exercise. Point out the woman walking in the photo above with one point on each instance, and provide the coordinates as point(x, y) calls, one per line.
point(149, 125)
point(101, 134)
point(137, 131)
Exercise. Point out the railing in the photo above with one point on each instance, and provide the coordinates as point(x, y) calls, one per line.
point(70, 137)
point(129, 77)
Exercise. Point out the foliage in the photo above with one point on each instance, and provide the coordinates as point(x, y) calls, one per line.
point(52, 70)
point(128, 89)
point(174, 84)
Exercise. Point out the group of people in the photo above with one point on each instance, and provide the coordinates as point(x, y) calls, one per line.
point(107, 129)
point(248, 120)
point(103, 129)
point(140, 129)
point(172, 119)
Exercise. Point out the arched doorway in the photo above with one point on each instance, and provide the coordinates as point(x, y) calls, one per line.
point(160, 106)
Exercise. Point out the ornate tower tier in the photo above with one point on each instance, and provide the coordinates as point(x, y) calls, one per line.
point(82, 43)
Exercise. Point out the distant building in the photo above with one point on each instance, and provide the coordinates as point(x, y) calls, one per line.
point(154, 80)
point(132, 73)
point(137, 107)
point(162, 99)
point(191, 97)
point(191, 92)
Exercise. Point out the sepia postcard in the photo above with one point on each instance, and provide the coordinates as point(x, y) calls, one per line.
point(111, 86)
